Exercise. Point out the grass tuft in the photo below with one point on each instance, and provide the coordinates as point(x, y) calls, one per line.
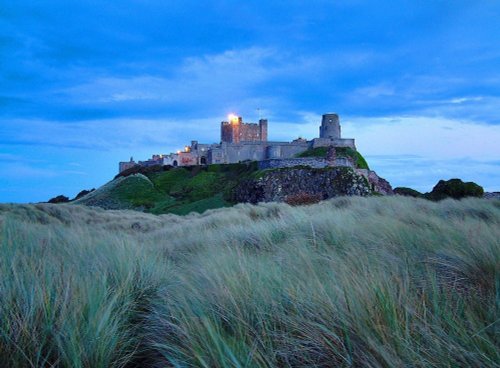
point(365, 282)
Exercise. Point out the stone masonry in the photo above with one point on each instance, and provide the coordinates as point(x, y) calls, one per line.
point(248, 142)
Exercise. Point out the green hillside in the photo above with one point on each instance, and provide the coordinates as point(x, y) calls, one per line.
point(349, 282)
point(348, 152)
point(177, 190)
point(183, 190)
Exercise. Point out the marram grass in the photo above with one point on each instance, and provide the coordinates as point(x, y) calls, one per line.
point(350, 282)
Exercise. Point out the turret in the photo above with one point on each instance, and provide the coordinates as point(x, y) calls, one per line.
point(263, 129)
point(330, 127)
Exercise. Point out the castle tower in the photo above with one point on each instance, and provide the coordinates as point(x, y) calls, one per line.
point(230, 130)
point(330, 127)
point(235, 131)
point(263, 129)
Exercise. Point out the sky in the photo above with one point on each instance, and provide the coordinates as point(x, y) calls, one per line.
point(85, 84)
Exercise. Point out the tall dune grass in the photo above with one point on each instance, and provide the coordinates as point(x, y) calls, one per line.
point(350, 282)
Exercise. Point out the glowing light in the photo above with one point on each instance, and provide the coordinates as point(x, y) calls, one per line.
point(232, 118)
point(178, 152)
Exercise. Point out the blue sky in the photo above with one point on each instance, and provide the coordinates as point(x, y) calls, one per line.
point(86, 84)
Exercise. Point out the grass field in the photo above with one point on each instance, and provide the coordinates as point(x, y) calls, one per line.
point(350, 282)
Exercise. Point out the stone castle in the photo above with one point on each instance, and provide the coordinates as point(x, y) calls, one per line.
point(248, 142)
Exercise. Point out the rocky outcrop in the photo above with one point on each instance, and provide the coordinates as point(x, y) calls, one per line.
point(59, 199)
point(277, 185)
point(378, 185)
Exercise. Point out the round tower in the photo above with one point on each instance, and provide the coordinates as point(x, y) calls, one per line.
point(330, 127)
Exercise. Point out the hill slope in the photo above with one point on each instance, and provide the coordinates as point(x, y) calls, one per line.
point(364, 282)
point(198, 188)
point(175, 190)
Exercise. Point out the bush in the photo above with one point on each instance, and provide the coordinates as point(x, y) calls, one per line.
point(408, 192)
point(83, 193)
point(59, 199)
point(454, 188)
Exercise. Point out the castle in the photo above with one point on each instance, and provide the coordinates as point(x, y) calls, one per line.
point(248, 142)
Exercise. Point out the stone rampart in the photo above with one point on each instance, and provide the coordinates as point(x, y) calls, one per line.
point(314, 162)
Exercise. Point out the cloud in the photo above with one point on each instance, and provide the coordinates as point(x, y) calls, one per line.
point(422, 173)
point(414, 151)
point(418, 151)
point(425, 136)
point(461, 100)
point(374, 91)
point(230, 76)
point(23, 171)
point(111, 134)
point(480, 108)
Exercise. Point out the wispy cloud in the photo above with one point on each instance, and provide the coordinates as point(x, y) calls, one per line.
point(111, 134)
point(229, 77)
point(415, 151)
point(22, 171)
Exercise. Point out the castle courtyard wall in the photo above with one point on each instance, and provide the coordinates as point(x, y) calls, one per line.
point(314, 162)
point(326, 142)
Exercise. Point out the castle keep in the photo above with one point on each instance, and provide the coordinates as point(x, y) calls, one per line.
point(235, 131)
point(248, 142)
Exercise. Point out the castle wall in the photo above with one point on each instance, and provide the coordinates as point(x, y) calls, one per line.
point(122, 166)
point(228, 132)
point(314, 162)
point(289, 150)
point(254, 151)
point(326, 142)
point(249, 133)
point(188, 159)
point(216, 156)
point(247, 141)
point(263, 129)
point(236, 131)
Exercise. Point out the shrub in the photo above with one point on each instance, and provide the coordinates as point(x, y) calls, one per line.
point(455, 188)
point(408, 192)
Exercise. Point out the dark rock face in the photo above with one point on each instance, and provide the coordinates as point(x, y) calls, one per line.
point(277, 185)
point(83, 193)
point(59, 199)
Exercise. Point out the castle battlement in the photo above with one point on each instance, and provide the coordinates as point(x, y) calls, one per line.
point(248, 142)
point(234, 130)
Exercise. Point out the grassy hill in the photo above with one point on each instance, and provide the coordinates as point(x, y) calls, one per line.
point(199, 188)
point(349, 282)
point(178, 190)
